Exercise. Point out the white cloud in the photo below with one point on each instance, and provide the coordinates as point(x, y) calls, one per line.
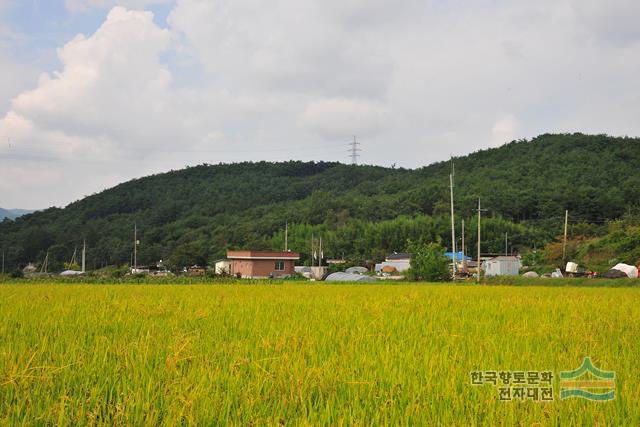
point(336, 118)
point(109, 83)
point(76, 6)
point(294, 47)
point(615, 21)
point(504, 130)
point(112, 98)
point(432, 78)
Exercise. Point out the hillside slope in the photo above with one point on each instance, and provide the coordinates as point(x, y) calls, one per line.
point(196, 213)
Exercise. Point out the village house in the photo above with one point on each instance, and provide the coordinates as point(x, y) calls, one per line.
point(261, 264)
point(394, 263)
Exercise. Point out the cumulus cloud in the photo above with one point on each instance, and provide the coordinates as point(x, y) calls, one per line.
point(111, 98)
point(109, 81)
point(230, 80)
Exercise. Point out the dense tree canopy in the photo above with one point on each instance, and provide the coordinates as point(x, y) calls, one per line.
point(196, 214)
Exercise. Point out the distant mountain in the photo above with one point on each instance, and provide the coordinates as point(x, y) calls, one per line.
point(13, 213)
point(194, 215)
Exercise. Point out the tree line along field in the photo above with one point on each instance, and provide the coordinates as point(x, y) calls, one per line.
point(307, 354)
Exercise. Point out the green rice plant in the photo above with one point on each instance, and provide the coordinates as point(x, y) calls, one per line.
point(307, 354)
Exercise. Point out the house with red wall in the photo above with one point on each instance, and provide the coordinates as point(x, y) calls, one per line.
point(261, 264)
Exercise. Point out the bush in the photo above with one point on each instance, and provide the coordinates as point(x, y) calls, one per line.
point(429, 263)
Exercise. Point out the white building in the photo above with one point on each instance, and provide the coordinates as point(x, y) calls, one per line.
point(400, 261)
point(502, 266)
point(222, 266)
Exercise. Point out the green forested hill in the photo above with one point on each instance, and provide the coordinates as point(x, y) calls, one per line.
point(194, 215)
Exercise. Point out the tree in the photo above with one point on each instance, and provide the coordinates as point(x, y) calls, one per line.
point(428, 262)
point(188, 254)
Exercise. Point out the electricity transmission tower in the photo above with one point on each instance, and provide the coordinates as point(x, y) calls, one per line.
point(354, 150)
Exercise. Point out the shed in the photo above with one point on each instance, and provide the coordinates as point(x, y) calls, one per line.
point(502, 266)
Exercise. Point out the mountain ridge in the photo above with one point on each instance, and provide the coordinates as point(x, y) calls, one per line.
point(195, 214)
point(13, 213)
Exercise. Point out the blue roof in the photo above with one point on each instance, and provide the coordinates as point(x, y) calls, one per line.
point(458, 256)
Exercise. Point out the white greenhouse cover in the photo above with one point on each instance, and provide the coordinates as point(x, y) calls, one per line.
point(347, 277)
point(356, 270)
point(71, 273)
point(629, 270)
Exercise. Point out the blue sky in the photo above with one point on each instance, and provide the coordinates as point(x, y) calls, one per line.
point(45, 25)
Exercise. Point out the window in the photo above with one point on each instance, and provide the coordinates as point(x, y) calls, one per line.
point(279, 265)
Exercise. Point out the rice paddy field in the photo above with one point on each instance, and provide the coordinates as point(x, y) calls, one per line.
point(306, 354)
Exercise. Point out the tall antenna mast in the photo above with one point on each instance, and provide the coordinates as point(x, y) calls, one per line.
point(354, 151)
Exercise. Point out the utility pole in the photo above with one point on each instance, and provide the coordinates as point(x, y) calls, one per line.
point(286, 237)
point(453, 230)
point(73, 257)
point(354, 151)
point(506, 244)
point(564, 243)
point(45, 263)
point(2, 260)
point(320, 254)
point(478, 266)
point(84, 255)
point(480, 210)
point(135, 247)
point(464, 257)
